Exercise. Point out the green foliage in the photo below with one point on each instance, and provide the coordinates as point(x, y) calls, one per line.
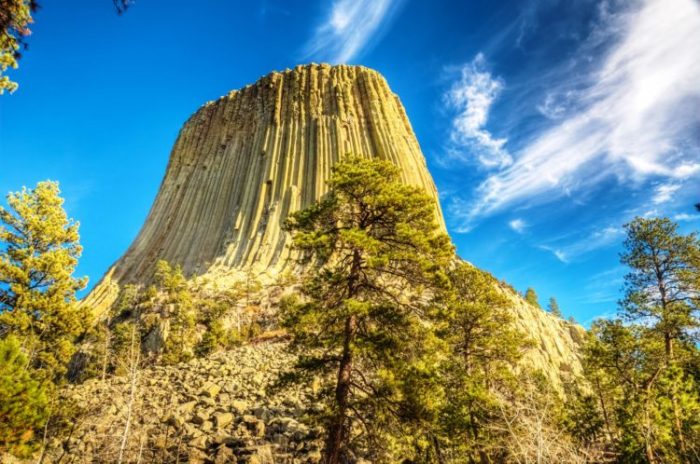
point(361, 324)
point(15, 18)
point(642, 367)
point(483, 347)
point(584, 421)
point(37, 288)
point(662, 286)
point(23, 402)
point(531, 297)
point(554, 308)
point(177, 309)
point(175, 320)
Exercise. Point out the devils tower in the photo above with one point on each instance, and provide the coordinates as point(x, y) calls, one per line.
point(243, 162)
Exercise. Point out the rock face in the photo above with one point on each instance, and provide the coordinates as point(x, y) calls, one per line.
point(242, 163)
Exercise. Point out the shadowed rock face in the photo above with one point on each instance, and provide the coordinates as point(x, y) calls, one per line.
point(242, 163)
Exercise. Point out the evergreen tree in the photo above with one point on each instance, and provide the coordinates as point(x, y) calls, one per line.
point(15, 18)
point(377, 250)
point(173, 304)
point(23, 403)
point(554, 308)
point(37, 288)
point(643, 368)
point(662, 288)
point(483, 348)
point(531, 297)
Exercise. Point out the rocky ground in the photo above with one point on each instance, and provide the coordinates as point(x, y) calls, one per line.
point(212, 410)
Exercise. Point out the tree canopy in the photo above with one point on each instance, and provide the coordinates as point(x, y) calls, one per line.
point(532, 298)
point(37, 287)
point(378, 253)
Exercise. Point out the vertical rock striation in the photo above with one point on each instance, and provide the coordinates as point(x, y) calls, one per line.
point(242, 163)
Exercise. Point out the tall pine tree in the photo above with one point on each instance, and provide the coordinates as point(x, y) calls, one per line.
point(37, 288)
point(661, 289)
point(376, 252)
point(643, 366)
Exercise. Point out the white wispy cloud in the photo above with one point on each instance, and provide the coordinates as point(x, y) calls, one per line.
point(596, 240)
point(685, 217)
point(471, 98)
point(664, 192)
point(633, 120)
point(517, 225)
point(349, 28)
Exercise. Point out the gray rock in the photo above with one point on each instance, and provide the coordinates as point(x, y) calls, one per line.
point(188, 407)
point(222, 419)
point(200, 442)
point(209, 390)
point(199, 417)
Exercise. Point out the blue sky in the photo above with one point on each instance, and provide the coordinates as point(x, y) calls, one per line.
point(546, 124)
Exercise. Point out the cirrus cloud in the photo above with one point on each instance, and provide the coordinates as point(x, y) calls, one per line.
point(635, 119)
point(349, 28)
point(471, 98)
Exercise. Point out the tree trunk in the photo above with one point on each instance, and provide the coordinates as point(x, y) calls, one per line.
point(606, 417)
point(337, 432)
point(108, 346)
point(135, 353)
point(648, 450)
point(668, 343)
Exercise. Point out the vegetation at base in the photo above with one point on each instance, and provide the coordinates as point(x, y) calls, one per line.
point(413, 353)
point(23, 402)
point(482, 347)
point(413, 350)
point(377, 249)
point(175, 321)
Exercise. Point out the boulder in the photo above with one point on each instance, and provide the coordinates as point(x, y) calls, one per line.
point(209, 390)
point(222, 419)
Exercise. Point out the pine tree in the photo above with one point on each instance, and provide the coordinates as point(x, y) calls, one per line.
point(662, 289)
point(23, 403)
point(483, 348)
point(554, 308)
point(531, 297)
point(37, 288)
point(662, 286)
point(176, 306)
point(375, 250)
point(643, 367)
